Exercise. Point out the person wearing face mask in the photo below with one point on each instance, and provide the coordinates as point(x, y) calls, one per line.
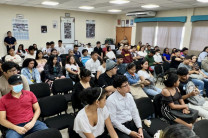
point(157, 57)
point(19, 110)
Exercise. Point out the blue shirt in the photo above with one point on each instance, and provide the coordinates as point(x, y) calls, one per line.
point(77, 54)
point(84, 59)
point(166, 55)
point(132, 79)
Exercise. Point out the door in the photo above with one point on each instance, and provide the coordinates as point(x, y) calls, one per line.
point(121, 32)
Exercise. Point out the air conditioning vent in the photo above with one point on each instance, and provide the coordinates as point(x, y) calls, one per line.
point(142, 14)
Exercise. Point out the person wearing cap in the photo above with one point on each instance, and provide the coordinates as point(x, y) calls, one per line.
point(121, 67)
point(9, 69)
point(99, 50)
point(106, 79)
point(16, 110)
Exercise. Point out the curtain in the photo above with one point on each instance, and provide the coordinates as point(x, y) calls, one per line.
point(199, 35)
point(169, 34)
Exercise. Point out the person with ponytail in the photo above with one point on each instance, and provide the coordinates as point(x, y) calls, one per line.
point(91, 120)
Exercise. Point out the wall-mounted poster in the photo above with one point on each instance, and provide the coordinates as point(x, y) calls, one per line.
point(127, 22)
point(132, 22)
point(43, 29)
point(20, 29)
point(90, 28)
point(119, 22)
point(67, 30)
point(123, 23)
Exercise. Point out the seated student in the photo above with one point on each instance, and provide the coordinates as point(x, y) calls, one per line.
point(13, 57)
point(127, 55)
point(106, 79)
point(85, 57)
point(105, 48)
point(99, 50)
point(30, 71)
point(173, 53)
point(166, 55)
point(134, 53)
point(21, 51)
point(90, 122)
point(184, 52)
point(195, 66)
point(157, 57)
point(40, 60)
point(16, 110)
point(93, 63)
point(121, 67)
point(190, 93)
point(144, 74)
point(76, 52)
point(148, 49)
point(120, 49)
point(171, 99)
point(52, 44)
point(89, 48)
point(176, 59)
point(72, 69)
point(71, 53)
point(36, 48)
point(84, 83)
point(123, 110)
point(60, 48)
point(31, 53)
point(101, 68)
point(53, 70)
point(142, 53)
point(110, 54)
point(9, 69)
point(55, 53)
point(47, 50)
point(197, 78)
point(149, 58)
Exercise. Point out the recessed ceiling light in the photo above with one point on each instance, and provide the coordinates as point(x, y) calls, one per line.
point(86, 7)
point(114, 10)
point(149, 6)
point(204, 1)
point(50, 3)
point(119, 1)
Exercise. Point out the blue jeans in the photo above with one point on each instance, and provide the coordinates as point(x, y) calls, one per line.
point(199, 84)
point(206, 73)
point(152, 67)
point(38, 126)
point(152, 92)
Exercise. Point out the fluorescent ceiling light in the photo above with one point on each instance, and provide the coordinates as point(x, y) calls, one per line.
point(86, 7)
point(203, 1)
point(119, 1)
point(50, 3)
point(114, 10)
point(149, 6)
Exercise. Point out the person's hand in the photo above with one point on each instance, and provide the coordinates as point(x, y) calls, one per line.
point(29, 125)
point(197, 72)
point(146, 82)
point(134, 134)
point(194, 93)
point(20, 130)
point(140, 131)
point(185, 111)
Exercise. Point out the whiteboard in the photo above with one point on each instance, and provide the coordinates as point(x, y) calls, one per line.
point(67, 30)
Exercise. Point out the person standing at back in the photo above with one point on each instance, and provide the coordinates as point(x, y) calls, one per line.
point(10, 41)
point(99, 50)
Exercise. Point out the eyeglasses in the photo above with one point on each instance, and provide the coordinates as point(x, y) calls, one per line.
point(12, 70)
point(125, 85)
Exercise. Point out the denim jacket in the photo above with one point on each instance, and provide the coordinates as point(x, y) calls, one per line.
point(35, 75)
point(132, 79)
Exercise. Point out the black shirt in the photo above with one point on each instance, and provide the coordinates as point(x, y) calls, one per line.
point(182, 88)
point(174, 63)
point(11, 40)
point(98, 50)
point(105, 81)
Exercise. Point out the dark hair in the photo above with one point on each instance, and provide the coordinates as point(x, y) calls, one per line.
point(178, 131)
point(104, 60)
point(133, 46)
point(8, 32)
point(36, 48)
point(119, 56)
point(182, 71)
point(98, 42)
point(184, 49)
point(48, 43)
point(157, 50)
point(142, 63)
point(39, 51)
point(53, 50)
point(27, 61)
point(10, 49)
point(108, 48)
point(193, 56)
point(60, 41)
point(130, 66)
point(84, 73)
point(50, 63)
point(68, 60)
point(119, 80)
point(141, 47)
point(9, 65)
point(173, 50)
point(84, 50)
point(177, 50)
point(93, 52)
point(152, 51)
point(187, 57)
point(22, 48)
point(148, 45)
point(76, 46)
point(31, 48)
point(51, 42)
point(156, 47)
point(164, 51)
point(90, 95)
point(170, 78)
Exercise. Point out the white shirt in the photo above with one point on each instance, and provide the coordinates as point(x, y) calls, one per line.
point(89, 50)
point(82, 124)
point(61, 50)
point(142, 54)
point(30, 56)
point(101, 69)
point(145, 74)
point(71, 67)
point(92, 65)
point(47, 50)
point(157, 58)
point(16, 59)
point(111, 55)
point(202, 55)
point(123, 109)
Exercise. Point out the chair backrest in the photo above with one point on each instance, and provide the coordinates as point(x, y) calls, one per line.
point(166, 66)
point(200, 128)
point(47, 133)
point(40, 89)
point(62, 86)
point(158, 69)
point(158, 104)
point(52, 105)
point(145, 107)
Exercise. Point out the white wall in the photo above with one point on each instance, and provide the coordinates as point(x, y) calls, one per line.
point(105, 25)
